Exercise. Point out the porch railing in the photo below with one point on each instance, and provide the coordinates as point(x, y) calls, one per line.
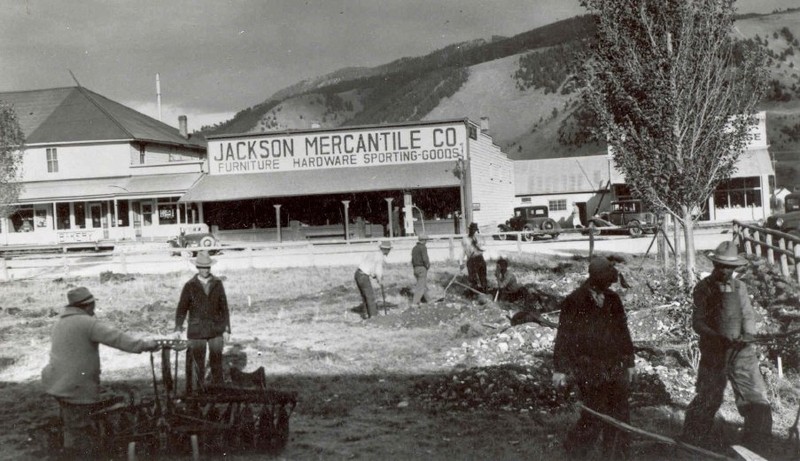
point(775, 247)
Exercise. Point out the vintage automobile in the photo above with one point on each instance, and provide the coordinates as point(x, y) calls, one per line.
point(789, 220)
point(197, 238)
point(626, 216)
point(533, 221)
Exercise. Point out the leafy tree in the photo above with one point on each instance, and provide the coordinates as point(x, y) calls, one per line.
point(12, 141)
point(675, 96)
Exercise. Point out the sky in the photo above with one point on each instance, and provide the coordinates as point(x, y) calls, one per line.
point(217, 57)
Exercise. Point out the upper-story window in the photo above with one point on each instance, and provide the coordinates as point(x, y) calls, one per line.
point(141, 154)
point(52, 160)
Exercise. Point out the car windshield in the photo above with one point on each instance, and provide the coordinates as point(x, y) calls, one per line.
point(792, 204)
point(627, 207)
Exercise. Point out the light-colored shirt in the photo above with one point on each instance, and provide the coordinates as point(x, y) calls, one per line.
point(372, 264)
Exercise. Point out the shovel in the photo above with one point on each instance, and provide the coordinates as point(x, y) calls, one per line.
point(447, 287)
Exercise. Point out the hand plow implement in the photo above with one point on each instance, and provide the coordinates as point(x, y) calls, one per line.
point(216, 419)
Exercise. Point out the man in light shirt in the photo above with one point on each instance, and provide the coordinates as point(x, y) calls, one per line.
point(371, 267)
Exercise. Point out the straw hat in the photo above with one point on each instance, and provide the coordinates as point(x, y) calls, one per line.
point(386, 245)
point(423, 237)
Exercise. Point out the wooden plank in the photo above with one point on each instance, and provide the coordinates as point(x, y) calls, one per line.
point(746, 454)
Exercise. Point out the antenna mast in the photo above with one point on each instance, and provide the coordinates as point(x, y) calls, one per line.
point(74, 78)
point(158, 95)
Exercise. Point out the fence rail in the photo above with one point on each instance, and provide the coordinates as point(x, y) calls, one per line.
point(773, 246)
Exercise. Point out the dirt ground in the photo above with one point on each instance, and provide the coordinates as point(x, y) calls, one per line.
point(446, 381)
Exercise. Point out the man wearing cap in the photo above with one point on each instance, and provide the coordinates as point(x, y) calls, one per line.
point(203, 299)
point(420, 264)
point(473, 254)
point(725, 321)
point(73, 374)
point(593, 347)
point(508, 289)
point(371, 267)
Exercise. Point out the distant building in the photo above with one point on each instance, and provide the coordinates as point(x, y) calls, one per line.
point(442, 174)
point(590, 183)
point(94, 169)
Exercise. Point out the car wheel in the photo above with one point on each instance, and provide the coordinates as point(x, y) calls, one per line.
point(207, 241)
point(634, 229)
point(548, 224)
point(527, 233)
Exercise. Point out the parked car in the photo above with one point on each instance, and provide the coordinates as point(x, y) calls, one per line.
point(789, 220)
point(194, 240)
point(533, 221)
point(630, 216)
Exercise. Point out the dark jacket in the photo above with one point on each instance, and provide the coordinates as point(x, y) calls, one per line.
point(419, 256)
point(592, 342)
point(208, 314)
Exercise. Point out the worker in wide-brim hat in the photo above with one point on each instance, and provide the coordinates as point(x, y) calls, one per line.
point(371, 267)
point(420, 264)
point(204, 301)
point(726, 323)
point(72, 375)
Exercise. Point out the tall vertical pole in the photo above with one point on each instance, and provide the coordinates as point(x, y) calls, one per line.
point(346, 204)
point(278, 220)
point(389, 212)
point(158, 94)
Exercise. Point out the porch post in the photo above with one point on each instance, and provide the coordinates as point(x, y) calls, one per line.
point(346, 204)
point(389, 212)
point(278, 220)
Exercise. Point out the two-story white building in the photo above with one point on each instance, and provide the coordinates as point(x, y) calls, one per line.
point(94, 169)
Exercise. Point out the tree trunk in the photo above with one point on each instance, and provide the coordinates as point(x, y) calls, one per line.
point(688, 235)
point(661, 231)
point(677, 242)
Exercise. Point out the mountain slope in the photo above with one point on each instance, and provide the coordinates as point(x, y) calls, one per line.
point(522, 84)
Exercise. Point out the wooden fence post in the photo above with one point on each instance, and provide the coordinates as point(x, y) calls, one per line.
point(797, 262)
point(770, 251)
point(745, 241)
point(784, 258)
point(65, 264)
point(5, 269)
point(519, 244)
point(757, 242)
point(451, 248)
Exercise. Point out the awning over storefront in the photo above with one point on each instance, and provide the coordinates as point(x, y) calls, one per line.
point(217, 188)
point(754, 162)
point(70, 190)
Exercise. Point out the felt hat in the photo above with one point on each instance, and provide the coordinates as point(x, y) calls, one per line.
point(423, 237)
point(727, 254)
point(79, 297)
point(203, 260)
point(473, 225)
point(600, 268)
point(386, 245)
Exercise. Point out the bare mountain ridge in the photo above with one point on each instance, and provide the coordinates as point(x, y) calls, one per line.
point(521, 83)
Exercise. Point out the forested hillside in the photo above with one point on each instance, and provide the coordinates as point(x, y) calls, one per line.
point(523, 84)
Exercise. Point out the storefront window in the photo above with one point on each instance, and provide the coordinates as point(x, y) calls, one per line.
point(167, 214)
point(22, 220)
point(738, 193)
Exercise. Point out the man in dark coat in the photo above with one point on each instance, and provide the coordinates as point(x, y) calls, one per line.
point(203, 299)
point(725, 321)
point(420, 263)
point(593, 347)
point(473, 255)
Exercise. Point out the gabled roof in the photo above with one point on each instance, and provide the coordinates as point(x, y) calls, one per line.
point(76, 114)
